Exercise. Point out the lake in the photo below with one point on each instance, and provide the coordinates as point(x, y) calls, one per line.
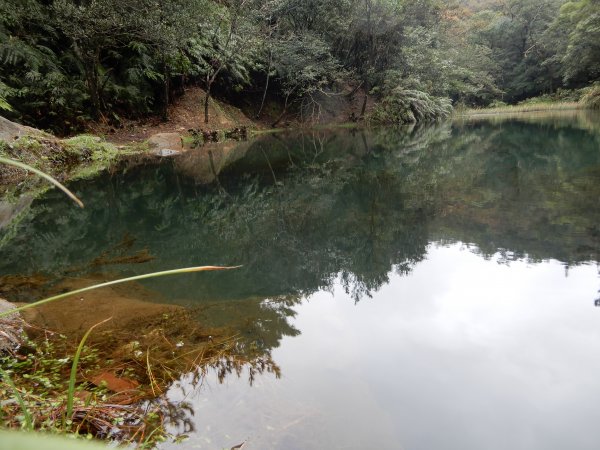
point(418, 288)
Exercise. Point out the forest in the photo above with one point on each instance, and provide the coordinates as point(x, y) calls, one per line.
point(65, 63)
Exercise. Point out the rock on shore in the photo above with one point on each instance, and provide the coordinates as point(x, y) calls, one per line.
point(11, 328)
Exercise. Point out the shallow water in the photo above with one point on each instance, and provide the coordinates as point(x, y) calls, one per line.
point(420, 288)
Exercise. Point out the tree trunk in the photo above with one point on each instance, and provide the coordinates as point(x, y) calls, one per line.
point(285, 106)
point(91, 75)
point(274, 124)
point(90, 59)
point(364, 105)
point(166, 99)
point(206, 99)
point(94, 96)
point(368, 8)
point(355, 90)
point(262, 103)
point(209, 82)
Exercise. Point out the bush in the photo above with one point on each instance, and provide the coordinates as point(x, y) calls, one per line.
point(497, 104)
point(403, 106)
point(591, 99)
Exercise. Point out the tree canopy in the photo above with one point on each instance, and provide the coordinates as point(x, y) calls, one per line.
point(66, 62)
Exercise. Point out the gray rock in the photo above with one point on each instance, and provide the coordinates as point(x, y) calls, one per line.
point(11, 328)
point(166, 152)
point(170, 142)
point(9, 131)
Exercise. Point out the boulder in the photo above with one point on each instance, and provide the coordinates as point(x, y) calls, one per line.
point(9, 131)
point(165, 144)
point(11, 328)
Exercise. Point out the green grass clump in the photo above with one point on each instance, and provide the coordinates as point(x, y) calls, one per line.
point(38, 379)
point(523, 108)
point(561, 100)
point(37, 393)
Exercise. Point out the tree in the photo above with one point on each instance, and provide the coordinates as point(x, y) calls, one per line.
point(373, 39)
point(30, 71)
point(298, 37)
point(93, 28)
point(231, 34)
point(514, 33)
point(578, 24)
point(304, 66)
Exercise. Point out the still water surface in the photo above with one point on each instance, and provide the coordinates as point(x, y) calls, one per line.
point(461, 354)
point(428, 288)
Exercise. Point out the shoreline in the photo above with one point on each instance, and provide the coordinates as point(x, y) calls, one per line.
point(522, 109)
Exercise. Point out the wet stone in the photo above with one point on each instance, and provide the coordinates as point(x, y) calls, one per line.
point(166, 152)
point(165, 144)
point(11, 328)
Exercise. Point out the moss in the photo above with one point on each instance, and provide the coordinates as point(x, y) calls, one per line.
point(70, 159)
point(62, 158)
point(90, 147)
point(40, 152)
point(188, 141)
point(28, 143)
point(136, 147)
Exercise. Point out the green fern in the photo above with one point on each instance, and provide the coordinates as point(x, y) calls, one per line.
point(5, 92)
point(402, 106)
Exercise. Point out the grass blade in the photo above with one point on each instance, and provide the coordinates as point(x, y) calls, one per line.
point(73, 376)
point(119, 281)
point(17, 394)
point(20, 165)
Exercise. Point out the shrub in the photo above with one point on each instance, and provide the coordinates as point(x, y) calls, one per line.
point(403, 106)
point(497, 104)
point(591, 99)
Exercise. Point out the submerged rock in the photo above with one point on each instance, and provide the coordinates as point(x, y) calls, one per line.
point(11, 328)
point(165, 144)
point(166, 152)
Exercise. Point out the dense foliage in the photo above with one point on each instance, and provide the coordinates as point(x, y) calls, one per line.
point(66, 62)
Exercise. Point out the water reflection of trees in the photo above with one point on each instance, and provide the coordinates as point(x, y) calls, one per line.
point(303, 211)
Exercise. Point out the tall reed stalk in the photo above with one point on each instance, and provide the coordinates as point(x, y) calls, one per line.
point(73, 376)
point(28, 419)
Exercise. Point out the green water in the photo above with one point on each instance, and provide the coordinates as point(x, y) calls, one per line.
point(419, 288)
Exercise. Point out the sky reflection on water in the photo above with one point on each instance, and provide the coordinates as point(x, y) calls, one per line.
point(464, 353)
